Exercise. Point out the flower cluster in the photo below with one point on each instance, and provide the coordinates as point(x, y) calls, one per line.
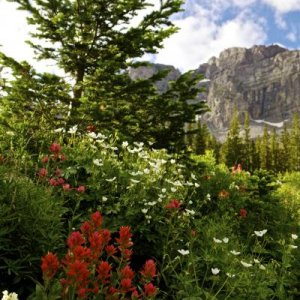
point(9, 296)
point(98, 265)
point(54, 178)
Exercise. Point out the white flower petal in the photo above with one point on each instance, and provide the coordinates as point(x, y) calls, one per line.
point(225, 240)
point(217, 241)
point(183, 252)
point(260, 233)
point(215, 271)
point(294, 236)
point(246, 265)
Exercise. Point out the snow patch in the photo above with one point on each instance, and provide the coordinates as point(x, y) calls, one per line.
point(278, 124)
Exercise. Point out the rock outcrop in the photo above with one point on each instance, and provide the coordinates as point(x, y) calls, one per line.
point(262, 80)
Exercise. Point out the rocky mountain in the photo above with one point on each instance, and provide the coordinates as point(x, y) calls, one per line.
point(262, 80)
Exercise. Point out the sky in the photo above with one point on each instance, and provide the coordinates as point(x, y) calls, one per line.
point(206, 27)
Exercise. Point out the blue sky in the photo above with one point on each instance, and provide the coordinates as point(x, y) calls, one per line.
point(206, 28)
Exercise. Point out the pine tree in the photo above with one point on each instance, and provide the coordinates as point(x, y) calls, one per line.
point(284, 150)
point(274, 151)
point(295, 144)
point(95, 42)
point(232, 148)
point(247, 145)
point(264, 150)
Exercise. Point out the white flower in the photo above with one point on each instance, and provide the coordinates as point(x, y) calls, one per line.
point(262, 267)
point(58, 130)
point(183, 252)
point(111, 179)
point(73, 129)
point(193, 176)
point(197, 184)
point(246, 265)
point(208, 197)
point(144, 210)
point(159, 200)
point(124, 144)
point(190, 202)
point(190, 212)
point(104, 199)
point(146, 171)
point(9, 296)
point(256, 261)
point(172, 161)
point(98, 162)
point(260, 233)
point(134, 181)
point(217, 241)
point(230, 275)
point(294, 236)
point(235, 252)
point(293, 246)
point(188, 183)
point(215, 271)
point(163, 190)
point(173, 189)
point(225, 240)
point(92, 135)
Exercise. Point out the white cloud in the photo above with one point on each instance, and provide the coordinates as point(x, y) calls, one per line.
point(201, 36)
point(284, 6)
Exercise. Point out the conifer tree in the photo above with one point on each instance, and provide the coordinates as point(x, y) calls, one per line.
point(232, 148)
point(295, 144)
point(284, 150)
point(264, 149)
point(95, 42)
point(247, 145)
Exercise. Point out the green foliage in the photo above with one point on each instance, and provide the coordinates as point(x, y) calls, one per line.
point(31, 225)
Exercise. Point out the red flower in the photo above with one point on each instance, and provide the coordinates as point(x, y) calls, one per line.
point(237, 169)
point(60, 181)
point(75, 239)
point(127, 272)
point(81, 253)
point(45, 159)
point(86, 227)
point(173, 204)
point(91, 128)
point(110, 250)
point(66, 187)
point(79, 272)
point(62, 157)
point(81, 189)
point(104, 272)
point(53, 182)
point(243, 213)
point(126, 284)
point(150, 289)
point(125, 237)
point(135, 295)
point(55, 148)
point(97, 243)
point(96, 218)
point(43, 172)
point(50, 265)
point(149, 270)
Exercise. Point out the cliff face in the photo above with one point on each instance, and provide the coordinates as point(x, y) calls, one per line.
point(263, 80)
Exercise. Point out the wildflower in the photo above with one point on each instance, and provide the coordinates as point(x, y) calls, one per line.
point(50, 265)
point(225, 240)
point(73, 129)
point(104, 199)
point(215, 271)
point(45, 159)
point(260, 233)
point(197, 184)
point(98, 162)
point(246, 265)
point(183, 252)
point(55, 148)
point(96, 218)
point(173, 204)
point(75, 239)
point(173, 189)
point(144, 210)
point(146, 171)
point(126, 284)
point(78, 271)
point(217, 241)
point(294, 236)
point(66, 187)
point(104, 272)
point(85, 227)
point(149, 269)
point(208, 197)
point(262, 267)
point(91, 128)
point(230, 275)
point(256, 261)
point(237, 169)
point(81, 189)
point(163, 190)
point(53, 182)
point(43, 172)
point(172, 161)
point(58, 130)
point(127, 272)
point(9, 296)
point(125, 144)
point(111, 179)
point(110, 250)
point(125, 237)
point(235, 252)
point(223, 194)
point(150, 290)
point(293, 246)
point(243, 213)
